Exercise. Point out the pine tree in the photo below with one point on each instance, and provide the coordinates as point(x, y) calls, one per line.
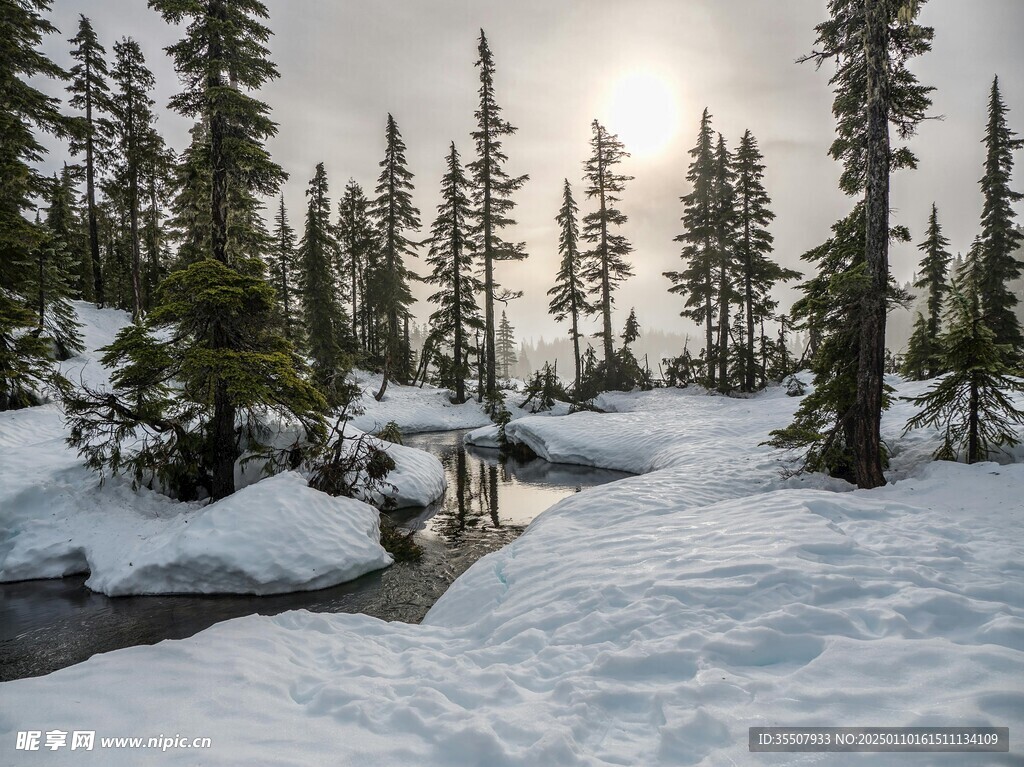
point(972, 403)
point(190, 222)
point(999, 237)
point(759, 273)
point(871, 42)
point(726, 267)
point(283, 270)
point(63, 219)
point(91, 94)
point(697, 281)
point(505, 346)
point(135, 141)
point(631, 332)
point(492, 199)
point(923, 358)
point(326, 326)
point(50, 287)
point(395, 217)
point(222, 60)
point(452, 259)
point(569, 294)
point(155, 180)
point(25, 367)
point(605, 263)
point(356, 236)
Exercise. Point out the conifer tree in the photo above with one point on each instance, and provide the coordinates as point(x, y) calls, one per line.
point(284, 269)
point(356, 237)
point(135, 141)
point(396, 217)
point(631, 332)
point(924, 355)
point(189, 221)
point(971, 404)
point(759, 273)
point(452, 261)
point(64, 222)
point(50, 286)
point(999, 237)
point(91, 95)
point(726, 266)
point(24, 358)
point(492, 199)
point(326, 326)
point(155, 180)
point(605, 265)
point(697, 281)
point(505, 345)
point(569, 295)
point(871, 42)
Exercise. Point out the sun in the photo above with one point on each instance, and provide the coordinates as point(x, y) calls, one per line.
point(643, 112)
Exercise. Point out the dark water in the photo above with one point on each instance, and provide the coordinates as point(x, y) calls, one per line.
point(49, 624)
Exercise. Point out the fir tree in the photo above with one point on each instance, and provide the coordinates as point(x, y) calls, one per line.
point(631, 332)
point(324, 320)
point(696, 282)
point(396, 217)
point(157, 166)
point(569, 294)
point(505, 346)
point(924, 356)
point(91, 95)
point(65, 224)
point(726, 267)
point(759, 273)
point(605, 263)
point(284, 269)
point(50, 289)
point(999, 237)
point(972, 403)
point(189, 222)
point(356, 236)
point(492, 199)
point(452, 261)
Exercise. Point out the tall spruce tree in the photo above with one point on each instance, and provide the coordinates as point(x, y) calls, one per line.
point(395, 217)
point(222, 60)
point(135, 141)
point(51, 290)
point(569, 295)
point(452, 260)
point(971, 404)
point(999, 237)
point(924, 353)
point(605, 265)
point(326, 326)
point(758, 272)
point(870, 42)
point(697, 280)
point(727, 272)
point(284, 269)
point(505, 346)
point(492, 199)
point(91, 95)
point(356, 236)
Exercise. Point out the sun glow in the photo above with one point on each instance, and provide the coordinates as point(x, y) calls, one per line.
point(643, 112)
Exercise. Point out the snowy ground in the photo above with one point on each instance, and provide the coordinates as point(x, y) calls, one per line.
point(648, 621)
point(275, 535)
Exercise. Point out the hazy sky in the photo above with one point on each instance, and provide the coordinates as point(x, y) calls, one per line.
point(645, 68)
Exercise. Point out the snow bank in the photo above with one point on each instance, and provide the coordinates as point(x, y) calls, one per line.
point(648, 621)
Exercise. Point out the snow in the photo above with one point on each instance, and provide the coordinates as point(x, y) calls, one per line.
point(648, 621)
point(274, 535)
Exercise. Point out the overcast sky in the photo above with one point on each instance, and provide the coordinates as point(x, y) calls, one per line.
point(346, 63)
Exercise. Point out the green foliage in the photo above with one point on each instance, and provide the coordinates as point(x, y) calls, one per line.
point(505, 346)
point(26, 370)
point(391, 432)
point(544, 389)
point(923, 359)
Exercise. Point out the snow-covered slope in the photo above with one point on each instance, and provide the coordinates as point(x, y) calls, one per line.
point(648, 621)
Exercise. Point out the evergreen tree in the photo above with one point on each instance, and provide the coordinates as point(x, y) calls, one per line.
point(135, 141)
point(972, 403)
point(324, 320)
point(697, 281)
point(569, 294)
point(395, 217)
point(759, 273)
point(65, 224)
point(222, 60)
point(356, 236)
point(871, 42)
point(492, 199)
point(155, 178)
point(605, 263)
point(631, 332)
point(505, 346)
point(924, 354)
point(50, 287)
point(91, 95)
point(452, 259)
point(189, 222)
point(24, 358)
point(284, 269)
point(726, 267)
point(999, 237)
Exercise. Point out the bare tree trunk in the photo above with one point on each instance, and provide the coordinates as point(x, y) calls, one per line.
point(867, 445)
point(723, 331)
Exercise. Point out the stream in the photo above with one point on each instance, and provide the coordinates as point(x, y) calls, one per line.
point(46, 625)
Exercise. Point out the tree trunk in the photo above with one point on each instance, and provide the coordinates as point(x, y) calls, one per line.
point(576, 349)
point(606, 292)
point(973, 441)
point(90, 191)
point(723, 330)
point(867, 445)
